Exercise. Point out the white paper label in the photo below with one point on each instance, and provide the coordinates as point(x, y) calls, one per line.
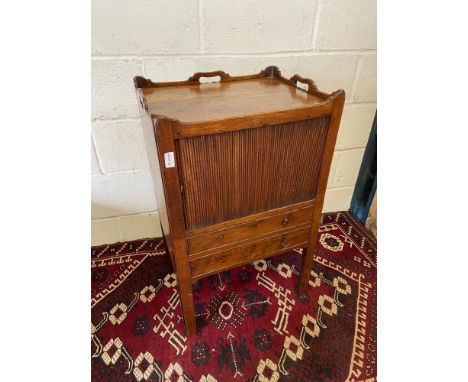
point(169, 159)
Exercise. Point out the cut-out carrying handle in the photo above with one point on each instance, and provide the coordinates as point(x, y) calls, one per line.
point(222, 75)
point(297, 78)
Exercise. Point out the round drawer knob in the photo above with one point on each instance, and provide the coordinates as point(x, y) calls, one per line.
point(220, 237)
point(285, 222)
point(223, 257)
point(284, 242)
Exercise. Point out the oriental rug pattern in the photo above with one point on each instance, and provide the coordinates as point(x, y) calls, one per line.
point(252, 326)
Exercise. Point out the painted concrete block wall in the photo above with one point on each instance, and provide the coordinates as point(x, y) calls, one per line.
point(331, 41)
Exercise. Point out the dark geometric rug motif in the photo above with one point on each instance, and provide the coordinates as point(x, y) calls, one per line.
point(252, 326)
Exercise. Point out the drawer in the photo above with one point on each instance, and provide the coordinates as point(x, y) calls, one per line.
point(247, 253)
point(248, 230)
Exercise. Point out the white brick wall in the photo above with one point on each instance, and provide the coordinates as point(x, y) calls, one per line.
point(331, 41)
point(259, 26)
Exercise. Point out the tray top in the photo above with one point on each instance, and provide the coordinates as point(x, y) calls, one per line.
point(194, 102)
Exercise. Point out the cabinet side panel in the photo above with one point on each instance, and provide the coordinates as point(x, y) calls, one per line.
point(151, 149)
point(230, 175)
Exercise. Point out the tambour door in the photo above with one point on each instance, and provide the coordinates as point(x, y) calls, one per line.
point(233, 174)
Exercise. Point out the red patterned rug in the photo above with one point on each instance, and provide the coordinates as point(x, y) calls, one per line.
point(252, 325)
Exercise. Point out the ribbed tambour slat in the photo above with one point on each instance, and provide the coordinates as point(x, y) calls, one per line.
point(229, 175)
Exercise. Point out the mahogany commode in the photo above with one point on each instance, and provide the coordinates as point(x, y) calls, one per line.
point(239, 169)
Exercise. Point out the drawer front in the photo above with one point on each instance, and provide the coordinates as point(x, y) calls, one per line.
point(249, 230)
point(248, 253)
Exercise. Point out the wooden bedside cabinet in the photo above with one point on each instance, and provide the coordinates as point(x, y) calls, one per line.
point(239, 169)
